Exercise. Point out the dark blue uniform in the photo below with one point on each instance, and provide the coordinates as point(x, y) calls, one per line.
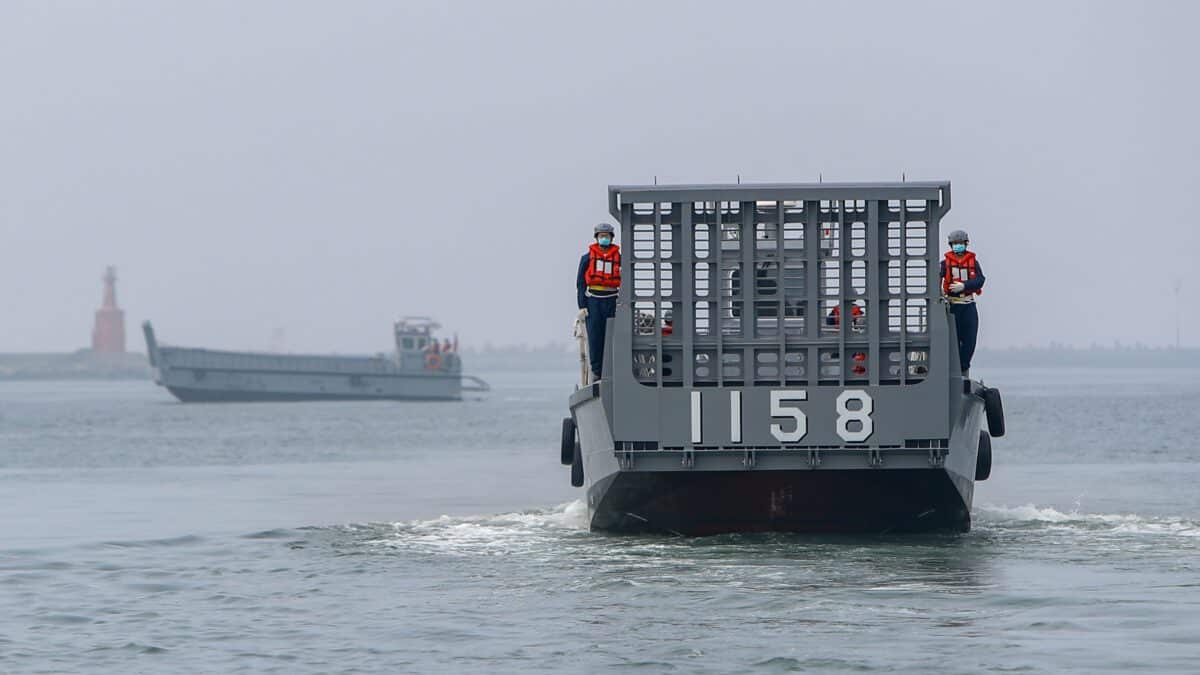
point(966, 317)
point(599, 311)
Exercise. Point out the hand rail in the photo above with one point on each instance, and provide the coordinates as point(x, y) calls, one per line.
point(585, 365)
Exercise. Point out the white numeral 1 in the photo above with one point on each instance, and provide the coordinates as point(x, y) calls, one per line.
point(862, 415)
point(778, 398)
point(735, 416)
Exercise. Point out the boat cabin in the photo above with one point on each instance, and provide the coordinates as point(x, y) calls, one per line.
point(418, 346)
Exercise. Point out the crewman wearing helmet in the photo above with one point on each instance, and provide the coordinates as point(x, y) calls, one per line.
point(596, 286)
point(962, 281)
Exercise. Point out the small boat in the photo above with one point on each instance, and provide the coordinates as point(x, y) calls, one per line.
point(423, 367)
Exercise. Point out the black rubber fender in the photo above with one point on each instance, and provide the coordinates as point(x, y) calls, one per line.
point(567, 448)
point(983, 457)
point(994, 408)
point(577, 467)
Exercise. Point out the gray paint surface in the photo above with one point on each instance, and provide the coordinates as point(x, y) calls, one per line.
point(214, 375)
point(847, 242)
point(894, 405)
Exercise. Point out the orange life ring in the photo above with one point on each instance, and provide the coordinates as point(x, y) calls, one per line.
point(433, 361)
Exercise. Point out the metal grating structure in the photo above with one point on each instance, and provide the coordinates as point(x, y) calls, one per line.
point(827, 285)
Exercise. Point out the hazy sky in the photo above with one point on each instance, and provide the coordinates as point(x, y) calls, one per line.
point(322, 168)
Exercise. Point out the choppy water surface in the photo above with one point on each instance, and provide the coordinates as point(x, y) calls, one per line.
point(144, 535)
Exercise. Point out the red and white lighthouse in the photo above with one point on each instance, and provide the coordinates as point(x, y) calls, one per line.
point(108, 336)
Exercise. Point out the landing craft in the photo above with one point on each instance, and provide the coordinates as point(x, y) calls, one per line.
point(422, 368)
point(781, 359)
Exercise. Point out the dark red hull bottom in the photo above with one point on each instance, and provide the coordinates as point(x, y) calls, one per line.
point(710, 502)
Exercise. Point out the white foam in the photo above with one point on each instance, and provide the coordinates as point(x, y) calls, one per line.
point(490, 534)
point(1095, 522)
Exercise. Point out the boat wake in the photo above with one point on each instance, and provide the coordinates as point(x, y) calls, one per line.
point(495, 534)
point(550, 531)
point(1030, 516)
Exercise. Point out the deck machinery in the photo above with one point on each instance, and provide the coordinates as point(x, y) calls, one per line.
point(781, 359)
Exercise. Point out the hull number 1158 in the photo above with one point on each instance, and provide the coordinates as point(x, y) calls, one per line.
point(789, 423)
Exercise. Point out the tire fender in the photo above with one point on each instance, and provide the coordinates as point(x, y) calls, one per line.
point(567, 446)
point(983, 457)
point(994, 408)
point(577, 468)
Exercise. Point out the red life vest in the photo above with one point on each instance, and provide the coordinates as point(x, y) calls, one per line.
point(604, 267)
point(855, 313)
point(959, 268)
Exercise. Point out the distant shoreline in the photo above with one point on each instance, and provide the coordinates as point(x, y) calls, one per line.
point(86, 365)
point(1099, 357)
point(81, 365)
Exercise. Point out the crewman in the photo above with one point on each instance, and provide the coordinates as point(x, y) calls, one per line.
point(596, 284)
point(962, 281)
point(834, 318)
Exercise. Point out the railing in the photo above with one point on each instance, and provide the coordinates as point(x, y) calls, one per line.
point(581, 337)
point(724, 291)
point(779, 316)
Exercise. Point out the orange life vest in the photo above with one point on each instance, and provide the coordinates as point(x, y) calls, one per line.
point(836, 313)
point(604, 267)
point(959, 268)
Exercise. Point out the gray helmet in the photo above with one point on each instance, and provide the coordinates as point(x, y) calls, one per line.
point(602, 227)
point(958, 236)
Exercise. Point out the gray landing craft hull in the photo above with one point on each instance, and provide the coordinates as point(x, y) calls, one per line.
point(715, 502)
point(200, 384)
point(782, 492)
point(210, 376)
point(194, 395)
point(737, 397)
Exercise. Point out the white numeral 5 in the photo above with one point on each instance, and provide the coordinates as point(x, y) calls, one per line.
point(778, 398)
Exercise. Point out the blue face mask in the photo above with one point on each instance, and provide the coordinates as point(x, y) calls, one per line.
point(959, 249)
point(605, 241)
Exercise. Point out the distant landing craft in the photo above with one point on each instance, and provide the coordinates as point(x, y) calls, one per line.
point(423, 368)
point(735, 397)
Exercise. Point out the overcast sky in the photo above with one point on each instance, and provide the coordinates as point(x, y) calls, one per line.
point(320, 168)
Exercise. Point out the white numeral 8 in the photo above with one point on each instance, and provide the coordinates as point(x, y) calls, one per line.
point(862, 415)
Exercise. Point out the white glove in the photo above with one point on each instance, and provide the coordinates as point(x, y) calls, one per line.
point(583, 313)
point(957, 287)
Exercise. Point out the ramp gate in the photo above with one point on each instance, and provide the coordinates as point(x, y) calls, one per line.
point(775, 286)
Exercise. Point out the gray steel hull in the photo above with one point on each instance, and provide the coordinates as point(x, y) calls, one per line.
point(778, 490)
point(192, 395)
point(737, 397)
point(716, 502)
point(193, 375)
